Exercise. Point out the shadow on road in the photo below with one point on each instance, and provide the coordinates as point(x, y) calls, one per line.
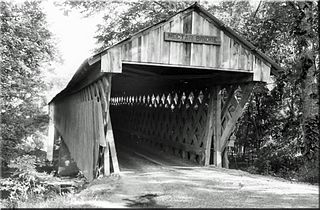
point(144, 201)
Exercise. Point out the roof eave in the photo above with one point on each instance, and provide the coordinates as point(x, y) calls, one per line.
point(276, 69)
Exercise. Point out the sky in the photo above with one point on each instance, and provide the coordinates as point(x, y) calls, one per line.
point(74, 35)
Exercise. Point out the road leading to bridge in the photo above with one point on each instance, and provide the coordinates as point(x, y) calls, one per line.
point(149, 180)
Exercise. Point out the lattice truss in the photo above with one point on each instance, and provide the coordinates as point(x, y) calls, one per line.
point(176, 121)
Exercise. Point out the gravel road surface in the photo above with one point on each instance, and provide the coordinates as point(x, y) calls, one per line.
point(163, 181)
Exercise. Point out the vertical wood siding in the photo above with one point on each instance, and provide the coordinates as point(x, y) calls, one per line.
point(83, 121)
point(149, 47)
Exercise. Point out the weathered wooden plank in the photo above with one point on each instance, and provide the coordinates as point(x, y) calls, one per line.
point(51, 132)
point(134, 50)
point(242, 58)
point(129, 50)
point(105, 62)
point(235, 54)
point(165, 55)
point(111, 61)
point(206, 48)
point(175, 51)
point(151, 47)
point(116, 64)
point(106, 160)
point(157, 40)
point(187, 29)
point(100, 126)
point(257, 74)
point(250, 62)
point(110, 140)
point(102, 95)
point(225, 50)
point(196, 49)
point(124, 51)
point(144, 47)
point(105, 145)
point(217, 130)
point(247, 59)
point(139, 47)
point(95, 137)
point(213, 58)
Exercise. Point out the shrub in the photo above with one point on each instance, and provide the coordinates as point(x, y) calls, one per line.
point(25, 182)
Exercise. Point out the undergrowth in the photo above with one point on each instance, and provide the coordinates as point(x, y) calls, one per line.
point(27, 185)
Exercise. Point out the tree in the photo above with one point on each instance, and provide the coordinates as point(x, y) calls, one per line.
point(26, 45)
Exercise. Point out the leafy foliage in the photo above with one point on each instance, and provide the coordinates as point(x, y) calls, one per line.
point(26, 45)
point(25, 182)
point(282, 123)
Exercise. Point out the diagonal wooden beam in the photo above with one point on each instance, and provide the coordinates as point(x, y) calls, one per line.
point(228, 100)
point(236, 115)
point(110, 142)
point(210, 126)
point(218, 128)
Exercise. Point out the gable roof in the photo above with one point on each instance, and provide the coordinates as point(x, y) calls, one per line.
point(196, 7)
point(85, 67)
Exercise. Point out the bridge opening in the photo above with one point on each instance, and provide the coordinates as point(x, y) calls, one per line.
point(165, 110)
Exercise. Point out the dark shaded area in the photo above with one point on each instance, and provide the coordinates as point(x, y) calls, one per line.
point(145, 201)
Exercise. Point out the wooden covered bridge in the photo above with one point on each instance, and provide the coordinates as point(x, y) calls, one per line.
point(179, 86)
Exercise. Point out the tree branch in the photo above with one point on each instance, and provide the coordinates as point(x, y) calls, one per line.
point(163, 7)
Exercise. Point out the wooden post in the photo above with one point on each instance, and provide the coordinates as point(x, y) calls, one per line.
point(104, 102)
point(110, 148)
point(106, 160)
point(51, 133)
point(110, 141)
point(217, 133)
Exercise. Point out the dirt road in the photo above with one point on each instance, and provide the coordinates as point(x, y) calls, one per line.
point(163, 181)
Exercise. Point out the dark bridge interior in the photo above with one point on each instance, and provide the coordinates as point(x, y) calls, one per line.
point(164, 109)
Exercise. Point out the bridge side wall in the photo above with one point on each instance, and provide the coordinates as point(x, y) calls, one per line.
point(83, 123)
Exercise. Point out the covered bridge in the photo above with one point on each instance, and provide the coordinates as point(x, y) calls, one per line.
point(179, 86)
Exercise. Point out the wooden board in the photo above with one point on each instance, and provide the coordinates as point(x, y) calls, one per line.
point(51, 136)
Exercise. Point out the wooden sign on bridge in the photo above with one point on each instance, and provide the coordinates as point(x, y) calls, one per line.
point(191, 38)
